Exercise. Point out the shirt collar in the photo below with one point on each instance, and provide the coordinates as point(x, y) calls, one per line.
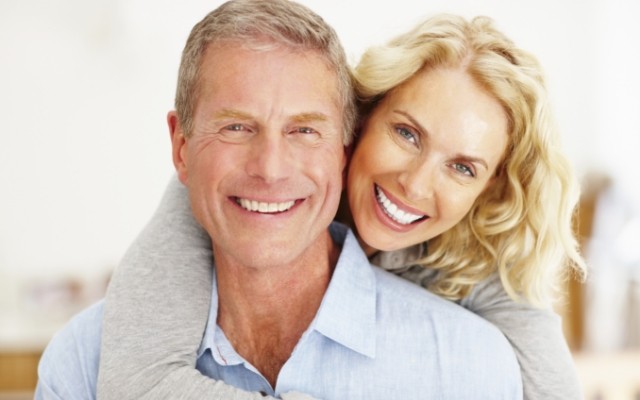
point(347, 314)
point(210, 330)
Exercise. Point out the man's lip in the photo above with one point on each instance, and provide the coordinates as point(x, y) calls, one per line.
point(265, 206)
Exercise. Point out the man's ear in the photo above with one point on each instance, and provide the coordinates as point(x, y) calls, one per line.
point(178, 146)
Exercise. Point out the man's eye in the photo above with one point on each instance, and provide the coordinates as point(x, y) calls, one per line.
point(464, 169)
point(304, 129)
point(235, 127)
point(406, 134)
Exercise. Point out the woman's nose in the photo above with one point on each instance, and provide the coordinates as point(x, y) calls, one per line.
point(418, 181)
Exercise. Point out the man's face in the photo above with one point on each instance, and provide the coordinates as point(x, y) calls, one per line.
point(264, 164)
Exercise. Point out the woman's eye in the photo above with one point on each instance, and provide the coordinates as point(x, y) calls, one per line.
point(464, 169)
point(406, 134)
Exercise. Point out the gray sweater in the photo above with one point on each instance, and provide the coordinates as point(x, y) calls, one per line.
point(158, 302)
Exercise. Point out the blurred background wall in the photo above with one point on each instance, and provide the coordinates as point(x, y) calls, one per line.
point(85, 152)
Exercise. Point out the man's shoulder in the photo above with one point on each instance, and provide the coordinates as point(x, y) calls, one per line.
point(83, 330)
point(68, 368)
point(400, 292)
point(445, 337)
point(400, 301)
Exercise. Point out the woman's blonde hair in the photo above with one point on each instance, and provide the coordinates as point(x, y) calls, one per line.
point(521, 225)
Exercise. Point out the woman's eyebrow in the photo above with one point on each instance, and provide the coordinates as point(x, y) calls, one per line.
point(425, 132)
point(417, 124)
point(472, 159)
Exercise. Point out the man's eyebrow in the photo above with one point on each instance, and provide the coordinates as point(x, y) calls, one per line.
point(233, 114)
point(298, 118)
point(309, 117)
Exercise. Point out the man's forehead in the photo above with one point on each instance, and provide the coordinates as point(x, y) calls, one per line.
point(241, 82)
point(219, 50)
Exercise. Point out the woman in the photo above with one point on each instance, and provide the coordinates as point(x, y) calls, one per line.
point(455, 183)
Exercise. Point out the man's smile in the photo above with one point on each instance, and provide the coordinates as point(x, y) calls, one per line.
point(264, 207)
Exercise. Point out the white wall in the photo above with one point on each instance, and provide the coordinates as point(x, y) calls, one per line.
point(85, 87)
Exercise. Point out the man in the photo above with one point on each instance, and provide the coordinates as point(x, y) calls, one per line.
point(263, 114)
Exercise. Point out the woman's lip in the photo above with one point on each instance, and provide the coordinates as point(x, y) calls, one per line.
point(389, 222)
point(398, 203)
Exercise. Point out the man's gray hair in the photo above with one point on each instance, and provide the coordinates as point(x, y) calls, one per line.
point(258, 23)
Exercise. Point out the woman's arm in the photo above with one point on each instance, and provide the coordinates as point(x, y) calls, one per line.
point(548, 371)
point(156, 310)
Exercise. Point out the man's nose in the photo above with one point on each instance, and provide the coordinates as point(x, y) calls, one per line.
point(419, 180)
point(270, 158)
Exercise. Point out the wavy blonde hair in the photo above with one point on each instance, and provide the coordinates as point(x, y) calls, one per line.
point(521, 225)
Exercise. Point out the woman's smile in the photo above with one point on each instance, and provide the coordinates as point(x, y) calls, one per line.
point(396, 211)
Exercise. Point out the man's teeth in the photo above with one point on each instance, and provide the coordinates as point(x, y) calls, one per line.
point(263, 207)
point(393, 211)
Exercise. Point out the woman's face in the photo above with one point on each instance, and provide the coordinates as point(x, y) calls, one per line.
point(426, 152)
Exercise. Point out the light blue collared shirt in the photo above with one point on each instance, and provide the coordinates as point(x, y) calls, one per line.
point(375, 336)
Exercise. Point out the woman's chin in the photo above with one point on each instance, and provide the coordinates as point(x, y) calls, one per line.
point(373, 243)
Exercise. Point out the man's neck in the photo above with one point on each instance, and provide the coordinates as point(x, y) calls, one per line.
point(265, 311)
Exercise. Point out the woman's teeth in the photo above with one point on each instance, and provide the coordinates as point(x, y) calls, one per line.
point(263, 207)
point(392, 210)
